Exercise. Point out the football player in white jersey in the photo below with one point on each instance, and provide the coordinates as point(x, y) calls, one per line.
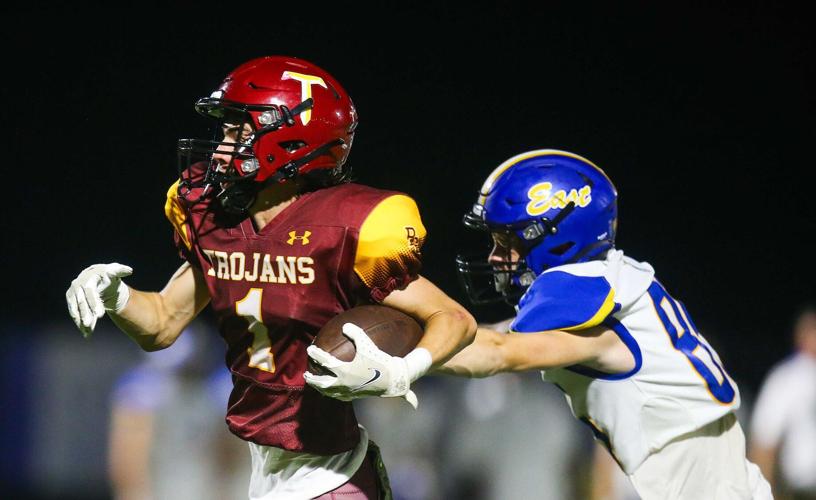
point(600, 326)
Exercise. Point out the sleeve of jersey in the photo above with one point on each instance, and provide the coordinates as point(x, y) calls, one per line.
point(559, 300)
point(177, 215)
point(389, 246)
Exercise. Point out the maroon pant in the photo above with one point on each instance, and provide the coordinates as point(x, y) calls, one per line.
point(370, 482)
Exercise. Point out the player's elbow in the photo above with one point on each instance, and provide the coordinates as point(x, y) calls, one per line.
point(468, 326)
point(459, 325)
point(170, 322)
point(149, 346)
point(161, 337)
point(155, 343)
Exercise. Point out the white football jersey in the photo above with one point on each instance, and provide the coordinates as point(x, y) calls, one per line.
point(678, 383)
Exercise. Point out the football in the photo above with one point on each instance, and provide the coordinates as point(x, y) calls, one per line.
point(392, 331)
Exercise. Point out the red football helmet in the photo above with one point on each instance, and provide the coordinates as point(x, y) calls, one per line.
point(302, 120)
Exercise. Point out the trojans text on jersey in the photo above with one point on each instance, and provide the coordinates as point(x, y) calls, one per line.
point(262, 267)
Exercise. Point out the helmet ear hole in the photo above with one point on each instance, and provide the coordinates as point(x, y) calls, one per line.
point(562, 248)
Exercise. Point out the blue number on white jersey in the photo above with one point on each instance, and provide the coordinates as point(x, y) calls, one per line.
point(685, 338)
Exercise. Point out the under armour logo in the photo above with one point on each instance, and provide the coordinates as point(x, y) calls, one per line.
point(304, 239)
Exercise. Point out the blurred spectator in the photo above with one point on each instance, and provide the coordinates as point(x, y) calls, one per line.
point(783, 437)
point(607, 480)
point(168, 439)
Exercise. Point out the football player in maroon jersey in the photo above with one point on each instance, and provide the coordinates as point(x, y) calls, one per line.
point(277, 241)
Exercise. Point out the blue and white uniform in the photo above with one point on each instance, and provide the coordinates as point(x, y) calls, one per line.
point(676, 389)
point(677, 385)
point(669, 420)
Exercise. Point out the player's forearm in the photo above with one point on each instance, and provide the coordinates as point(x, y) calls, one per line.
point(446, 333)
point(493, 352)
point(482, 358)
point(154, 320)
point(146, 319)
point(448, 327)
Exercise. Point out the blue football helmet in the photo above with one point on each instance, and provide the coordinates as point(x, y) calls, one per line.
point(561, 207)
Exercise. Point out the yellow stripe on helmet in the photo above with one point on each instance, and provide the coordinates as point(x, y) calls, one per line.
point(501, 169)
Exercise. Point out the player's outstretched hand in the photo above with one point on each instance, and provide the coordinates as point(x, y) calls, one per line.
point(372, 372)
point(97, 289)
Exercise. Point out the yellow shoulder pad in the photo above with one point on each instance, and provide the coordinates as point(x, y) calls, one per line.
point(175, 213)
point(390, 242)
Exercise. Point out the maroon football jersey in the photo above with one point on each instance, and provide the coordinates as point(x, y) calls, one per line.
point(272, 290)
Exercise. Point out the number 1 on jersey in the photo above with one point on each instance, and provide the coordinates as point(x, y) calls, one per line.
point(260, 353)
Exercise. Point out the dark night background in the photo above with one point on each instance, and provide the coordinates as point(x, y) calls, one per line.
point(703, 117)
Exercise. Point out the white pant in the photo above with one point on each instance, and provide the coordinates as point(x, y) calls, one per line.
point(708, 464)
point(285, 475)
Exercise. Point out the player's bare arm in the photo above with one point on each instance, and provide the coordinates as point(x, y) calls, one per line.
point(494, 352)
point(154, 320)
point(449, 327)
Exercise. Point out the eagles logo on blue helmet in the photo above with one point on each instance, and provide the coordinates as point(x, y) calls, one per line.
point(560, 206)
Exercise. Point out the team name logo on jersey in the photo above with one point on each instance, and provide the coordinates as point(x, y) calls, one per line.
point(413, 241)
point(264, 268)
point(303, 239)
point(542, 198)
point(306, 82)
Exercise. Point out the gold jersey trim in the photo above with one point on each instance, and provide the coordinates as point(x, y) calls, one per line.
point(390, 242)
point(176, 214)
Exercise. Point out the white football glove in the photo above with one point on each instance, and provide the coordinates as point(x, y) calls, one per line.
point(372, 372)
point(97, 289)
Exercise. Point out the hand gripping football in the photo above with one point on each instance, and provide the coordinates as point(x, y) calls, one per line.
point(392, 331)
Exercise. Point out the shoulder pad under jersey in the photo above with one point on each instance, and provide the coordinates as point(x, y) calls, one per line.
point(175, 213)
point(389, 246)
point(559, 300)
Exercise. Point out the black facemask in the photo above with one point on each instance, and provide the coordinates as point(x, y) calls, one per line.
point(235, 190)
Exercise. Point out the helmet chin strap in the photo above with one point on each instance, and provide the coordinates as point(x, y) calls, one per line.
point(588, 251)
point(237, 197)
point(291, 169)
point(285, 117)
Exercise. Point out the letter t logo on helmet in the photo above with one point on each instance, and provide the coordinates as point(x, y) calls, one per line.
point(306, 82)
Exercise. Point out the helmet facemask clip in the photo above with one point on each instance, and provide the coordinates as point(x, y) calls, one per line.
point(535, 232)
